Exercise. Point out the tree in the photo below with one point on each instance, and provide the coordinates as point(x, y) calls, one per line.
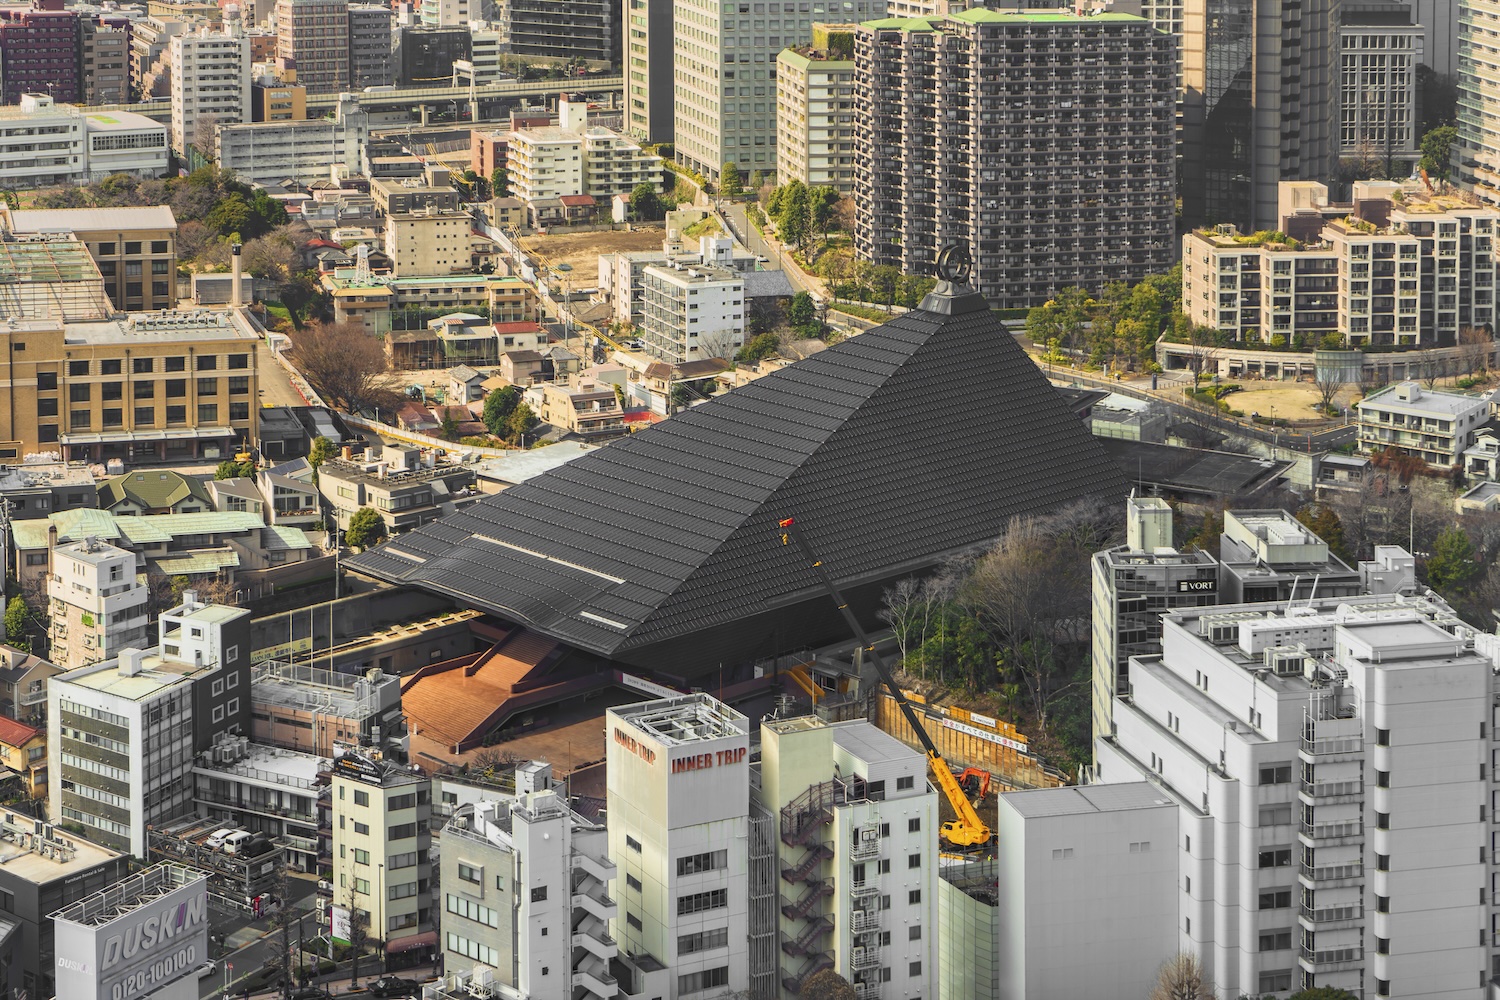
point(359, 935)
point(1329, 381)
point(763, 346)
point(821, 202)
point(1451, 568)
point(1323, 993)
point(230, 469)
point(645, 202)
point(1182, 978)
point(15, 623)
point(365, 528)
point(794, 221)
point(1435, 151)
point(322, 450)
point(498, 406)
point(827, 985)
point(757, 180)
point(500, 182)
point(448, 427)
point(729, 180)
point(519, 424)
point(1476, 348)
point(344, 363)
point(801, 312)
point(1322, 521)
point(274, 255)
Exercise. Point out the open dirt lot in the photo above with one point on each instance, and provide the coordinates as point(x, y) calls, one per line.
point(582, 250)
point(1294, 401)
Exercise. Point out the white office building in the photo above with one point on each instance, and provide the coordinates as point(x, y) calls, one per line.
point(1333, 768)
point(692, 312)
point(122, 735)
point(303, 152)
point(98, 607)
point(526, 900)
point(41, 144)
point(210, 85)
point(857, 823)
point(1435, 426)
point(573, 157)
point(123, 142)
point(679, 832)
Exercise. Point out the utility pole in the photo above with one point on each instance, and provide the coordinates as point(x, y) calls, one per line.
point(285, 916)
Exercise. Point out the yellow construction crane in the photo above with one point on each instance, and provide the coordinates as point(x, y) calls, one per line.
point(968, 831)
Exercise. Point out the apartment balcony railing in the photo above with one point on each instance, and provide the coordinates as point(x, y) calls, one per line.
point(1333, 745)
point(1332, 873)
point(863, 921)
point(1335, 957)
point(1322, 915)
point(1341, 830)
point(1333, 790)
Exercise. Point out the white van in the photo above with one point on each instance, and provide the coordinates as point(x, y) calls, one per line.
point(216, 839)
point(236, 841)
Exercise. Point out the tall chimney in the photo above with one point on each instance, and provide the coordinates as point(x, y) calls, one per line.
point(235, 299)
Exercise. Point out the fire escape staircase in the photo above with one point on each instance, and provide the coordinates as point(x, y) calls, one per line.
point(799, 910)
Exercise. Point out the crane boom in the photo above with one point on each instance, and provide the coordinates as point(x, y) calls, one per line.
point(968, 830)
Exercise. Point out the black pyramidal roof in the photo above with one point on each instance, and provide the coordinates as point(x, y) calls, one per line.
point(892, 449)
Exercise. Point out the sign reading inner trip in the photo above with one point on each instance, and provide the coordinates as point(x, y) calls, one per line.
point(703, 761)
point(630, 743)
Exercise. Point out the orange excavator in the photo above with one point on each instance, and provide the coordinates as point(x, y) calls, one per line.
point(968, 832)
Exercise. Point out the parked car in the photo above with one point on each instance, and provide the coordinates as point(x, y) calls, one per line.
point(207, 969)
point(394, 986)
point(310, 993)
point(216, 839)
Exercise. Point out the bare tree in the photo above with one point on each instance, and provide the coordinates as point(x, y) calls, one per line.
point(718, 344)
point(344, 363)
point(1182, 978)
point(1432, 369)
point(359, 936)
point(1476, 348)
point(1202, 350)
point(273, 255)
point(1329, 381)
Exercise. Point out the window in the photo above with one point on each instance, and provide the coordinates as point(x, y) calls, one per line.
point(699, 901)
point(239, 361)
point(112, 390)
point(361, 798)
point(1276, 774)
point(1279, 815)
point(145, 390)
point(158, 246)
point(1382, 737)
point(77, 368)
point(914, 861)
point(903, 784)
point(207, 362)
point(470, 874)
point(145, 416)
point(632, 843)
point(539, 894)
point(1382, 862)
point(361, 857)
point(914, 969)
point(914, 897)
point(696, 863)
point(363, 829)
point(406, 861)
point(1382, 946)
point(46, 381)
point(1276, 857)
point(402, 831)
point(1275, 899)
point(239, 411)
point(110, 366)
point(143, 366)
point(1382, 904)
point(176, 415)
point(689, 944)
point(1276, 940)
point(914, 824)
point(1278, 981)
point(633, 882)
point(914, 932)
point(470, 910)
point(885, 829)
point(706, 979)
point(362, 885)
point(473, 949)
point(208, 387)
point(1383, 821)
point(208, 413)
point(177, 364)
point(1383, 779)
point(883, 866)
point(46, 407)
point(633, 920)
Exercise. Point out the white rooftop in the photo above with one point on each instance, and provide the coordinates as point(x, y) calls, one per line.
point(1074, 800)
point(39, 220)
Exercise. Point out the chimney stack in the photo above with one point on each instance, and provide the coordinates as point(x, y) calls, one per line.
point(235, 298)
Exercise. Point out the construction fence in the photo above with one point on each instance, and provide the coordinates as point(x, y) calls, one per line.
point(967, 739)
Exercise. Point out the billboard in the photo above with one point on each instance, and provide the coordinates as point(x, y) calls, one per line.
point(338, 924)
point(162, 939)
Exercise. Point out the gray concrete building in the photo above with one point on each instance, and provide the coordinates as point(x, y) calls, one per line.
point(647, 40)
point(1041, 141)
point(369, 46)
point(562, 29)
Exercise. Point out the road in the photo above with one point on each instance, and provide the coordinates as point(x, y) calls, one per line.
point(739, 223)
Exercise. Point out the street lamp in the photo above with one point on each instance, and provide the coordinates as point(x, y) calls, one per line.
point(384, 933)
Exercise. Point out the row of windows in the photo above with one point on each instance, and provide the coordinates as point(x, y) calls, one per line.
point(472, 949)
point(145, 416)
point(698, 902)
point(470, 910)
point(145, 366)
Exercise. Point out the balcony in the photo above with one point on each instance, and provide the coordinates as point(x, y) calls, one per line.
point(1334, 746)
point(596, 942)
point(864, 849)
point(1333, 874)
point(1331, 917)
point(1331, 959)
point(596, 902)
point(864, 921)
point(867, 991)
point(603, 870)
point(861, 959)
point(1341, 832)
point(1333, 791)
point(600, 984)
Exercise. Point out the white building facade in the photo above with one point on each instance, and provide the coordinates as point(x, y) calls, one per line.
point(98, 606)
point(678, 791)
point(210, 85)
point(268, 153)
point(815, 120)
point(1332, 768)
point(41, 144)
point(692, 312)
point(1432, 425)
point(525, 890)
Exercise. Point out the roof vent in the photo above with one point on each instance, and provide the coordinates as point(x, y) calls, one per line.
point(132, 662)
